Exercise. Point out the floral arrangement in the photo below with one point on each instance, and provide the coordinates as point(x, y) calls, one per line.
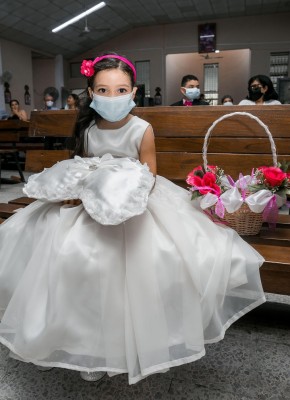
point(205, 181)
point(264, 191)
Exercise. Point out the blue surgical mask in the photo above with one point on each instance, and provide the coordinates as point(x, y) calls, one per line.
point(228, 103)
point(192, 93)
point(113, 109)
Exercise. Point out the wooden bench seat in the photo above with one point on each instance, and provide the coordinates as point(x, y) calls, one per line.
point(23, 201)
point(10, 133)
point(6, 210)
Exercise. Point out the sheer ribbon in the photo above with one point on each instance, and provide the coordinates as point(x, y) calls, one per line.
point(233, 198)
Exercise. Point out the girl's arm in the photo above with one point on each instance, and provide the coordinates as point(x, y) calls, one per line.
point(147, 150)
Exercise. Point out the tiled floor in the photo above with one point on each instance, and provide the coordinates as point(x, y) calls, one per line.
point(251, 363)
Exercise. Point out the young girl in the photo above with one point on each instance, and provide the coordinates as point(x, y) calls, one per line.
point(136, 297)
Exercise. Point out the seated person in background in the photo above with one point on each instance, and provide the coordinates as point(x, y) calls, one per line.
point(72, 102)
point(190, 92)
point(261, 91)
point(16, 112)
point(49, 102)
point(227, 100)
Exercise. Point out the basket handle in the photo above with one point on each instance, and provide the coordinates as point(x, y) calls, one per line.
point(205, 144)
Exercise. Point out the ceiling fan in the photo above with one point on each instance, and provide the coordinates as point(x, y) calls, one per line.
point(87, 30)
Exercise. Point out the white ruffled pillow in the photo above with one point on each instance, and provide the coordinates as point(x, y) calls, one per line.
point(112, 189)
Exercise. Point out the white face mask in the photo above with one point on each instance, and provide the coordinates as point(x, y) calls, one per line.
point(192, 93)
point(228, 103)
point(113, 109)
point(49, 103)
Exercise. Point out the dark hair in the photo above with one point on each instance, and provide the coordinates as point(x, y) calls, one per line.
point(188, 78)
point(76, 98)
point(264, 80)
point(226, 96)
point(13, 101)
point(86, 114)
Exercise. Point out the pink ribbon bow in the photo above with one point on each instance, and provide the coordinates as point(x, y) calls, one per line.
point(270, 213)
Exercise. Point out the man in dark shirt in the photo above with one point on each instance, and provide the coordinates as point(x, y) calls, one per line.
point(190, 92)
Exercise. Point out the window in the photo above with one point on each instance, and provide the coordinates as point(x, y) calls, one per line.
point(211, 83)
point(278, 66)
point(143, 75)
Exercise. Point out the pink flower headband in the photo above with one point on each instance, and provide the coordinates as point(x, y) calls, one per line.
point(87, 67)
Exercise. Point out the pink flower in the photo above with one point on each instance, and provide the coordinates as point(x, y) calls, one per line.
point(273, 176)
point(205, 184)
point(194, 180)
point(209, 181)
point(199, 168)
point(87, 68)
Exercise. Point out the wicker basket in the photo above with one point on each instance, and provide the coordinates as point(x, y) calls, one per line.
point(244, 221)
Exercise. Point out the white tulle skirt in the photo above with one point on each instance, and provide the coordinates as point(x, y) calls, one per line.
point(136, 298)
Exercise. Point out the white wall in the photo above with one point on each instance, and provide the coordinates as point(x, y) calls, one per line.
point(43, 77)
point(17, 60)
point(260, 35)
point(234, 69)
point(48, 73)
point(38, 74)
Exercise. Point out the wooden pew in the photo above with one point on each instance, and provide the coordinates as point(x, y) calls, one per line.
point(14, 134)
point(237, 145)
point(11, 133)
point(54, 124)
point(11, 130)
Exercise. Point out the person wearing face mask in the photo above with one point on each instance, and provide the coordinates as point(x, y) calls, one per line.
point(227, 100)
point(260, 91)
point(49, 102)
point(190, 92)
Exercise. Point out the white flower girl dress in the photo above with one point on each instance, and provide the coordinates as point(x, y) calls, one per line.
point(124, 282)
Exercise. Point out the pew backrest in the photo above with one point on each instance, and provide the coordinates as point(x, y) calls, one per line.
point(12, 130)
point(236, 144)
point(52, 123)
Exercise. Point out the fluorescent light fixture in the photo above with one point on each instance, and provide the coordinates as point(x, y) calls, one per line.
point(80, 16)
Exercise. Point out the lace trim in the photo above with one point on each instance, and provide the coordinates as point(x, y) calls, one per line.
point(137, 205)
point(69, 180)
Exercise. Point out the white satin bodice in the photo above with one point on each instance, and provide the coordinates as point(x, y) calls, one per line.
point(122, 142)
